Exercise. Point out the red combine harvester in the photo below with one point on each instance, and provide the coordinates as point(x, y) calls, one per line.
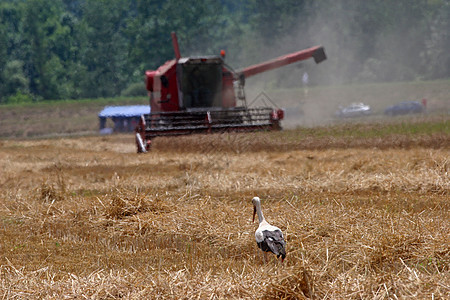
point(199, 95)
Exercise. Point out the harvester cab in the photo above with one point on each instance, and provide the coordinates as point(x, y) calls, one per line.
point(190, 83)
point(202, 95)
point(200, 82)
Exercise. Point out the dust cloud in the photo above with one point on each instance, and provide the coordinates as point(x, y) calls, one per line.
point(353, 60)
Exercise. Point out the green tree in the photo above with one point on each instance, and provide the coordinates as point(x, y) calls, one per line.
point(148, 41)
point(3, 59)
point(104, 47)
point(98, 48)
point(196, 25)
point(42, 33)
point(199, 28)
point(10, 19)
point(14, 79)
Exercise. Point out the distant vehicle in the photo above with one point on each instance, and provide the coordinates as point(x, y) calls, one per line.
point(354, 110)
point(403, 108)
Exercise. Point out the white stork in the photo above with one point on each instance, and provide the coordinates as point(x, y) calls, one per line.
point(269, 238)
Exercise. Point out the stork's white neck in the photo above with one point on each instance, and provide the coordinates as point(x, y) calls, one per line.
point(259, 212)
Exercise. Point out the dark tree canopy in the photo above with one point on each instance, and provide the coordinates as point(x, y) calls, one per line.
point(96, 48)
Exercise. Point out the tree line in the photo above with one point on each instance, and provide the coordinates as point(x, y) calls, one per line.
point(73, 49)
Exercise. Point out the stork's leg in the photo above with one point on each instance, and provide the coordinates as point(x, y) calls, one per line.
point(262, 256)
point(258, 254)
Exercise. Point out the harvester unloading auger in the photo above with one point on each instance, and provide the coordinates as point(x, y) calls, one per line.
point(200, 94)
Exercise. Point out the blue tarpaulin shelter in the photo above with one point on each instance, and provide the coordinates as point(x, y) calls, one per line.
point(124, 111)
point(125, 118)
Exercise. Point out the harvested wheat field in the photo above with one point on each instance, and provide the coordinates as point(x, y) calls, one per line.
point(365, 217)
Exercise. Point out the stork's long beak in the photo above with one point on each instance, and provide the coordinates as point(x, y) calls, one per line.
point(254, 213)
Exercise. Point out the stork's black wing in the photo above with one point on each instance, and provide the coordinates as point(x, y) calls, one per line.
point(273, 242)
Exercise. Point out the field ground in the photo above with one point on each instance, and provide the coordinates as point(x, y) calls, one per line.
point(364, 203)
point(365, 211)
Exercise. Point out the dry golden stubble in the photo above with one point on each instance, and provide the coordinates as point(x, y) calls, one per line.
point(331, 248)
point(361, 223)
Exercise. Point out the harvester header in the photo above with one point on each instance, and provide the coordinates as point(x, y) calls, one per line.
point(201, 94)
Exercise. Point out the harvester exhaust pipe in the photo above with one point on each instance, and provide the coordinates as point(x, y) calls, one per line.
point(176, 48)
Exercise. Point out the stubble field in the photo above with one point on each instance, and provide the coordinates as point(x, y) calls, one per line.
point(365, 217)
